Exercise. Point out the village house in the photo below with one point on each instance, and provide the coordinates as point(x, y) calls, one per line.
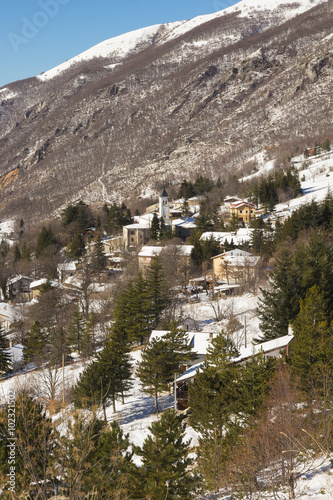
point(179, 254)
point(37, 285)
point(175, 213)
point(242, 211)
point(146, 256)
point(184, 227)
point(114, 244)
point(228, 200)
point(137, 234)
point(199, 341)
point(271, 349)
point(236, 266)
point(19, 288)
point(65, 270)
point(6, 316)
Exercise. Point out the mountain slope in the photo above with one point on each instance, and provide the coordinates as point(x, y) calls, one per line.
point(165, 103)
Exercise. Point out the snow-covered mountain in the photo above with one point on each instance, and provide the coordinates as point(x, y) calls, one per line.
point(157, 105)
point(119, 47)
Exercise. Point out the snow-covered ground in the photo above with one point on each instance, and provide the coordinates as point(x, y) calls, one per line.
point(316, 181)
point(6, 228)
point(315, 174)
point(6, 94)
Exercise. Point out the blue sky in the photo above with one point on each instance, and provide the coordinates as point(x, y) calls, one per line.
point(36, 35)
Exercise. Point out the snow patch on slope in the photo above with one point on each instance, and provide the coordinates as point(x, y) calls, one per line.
point(246, 8)
point(118, 48)
point(6, 93)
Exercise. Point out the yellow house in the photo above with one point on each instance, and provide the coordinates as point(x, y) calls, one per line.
point(35, 286)
point(6, 315)
point(236, 266)
point(243, 211)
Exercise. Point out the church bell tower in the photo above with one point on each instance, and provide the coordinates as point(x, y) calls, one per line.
point(164, 206)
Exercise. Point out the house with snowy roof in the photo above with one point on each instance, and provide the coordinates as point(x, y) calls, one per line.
point(242, 211)
point(113, 244)
point(270, 349)
point(65, 270)
point(147, 255)
point(180, 254)
point(138, 233)
point(37, 285)
point(19, 287)
point(236, 266)
point(6, 315)
point(185, 226)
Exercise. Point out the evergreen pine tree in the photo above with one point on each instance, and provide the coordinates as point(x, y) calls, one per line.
point(165, 461)
point(98, 260)
point(5, 358)
point(45, 239)
point(139, 323)
point(35, 440)
point(216, 409)
point(255, 376)
point(76, 331)
point(95, 387)
point(76, 246)
point(280, 304)
point(157, 293)
point(197, 254)
point(154, 370)
point(105, 378)
point(109, 461)
point(115, 360)
point(26, 252)
point(155, 228)
point(58, 345)
point(98, 225)
point(180, 350)
point(88, 342)
point(312, 346)
point(17, 254)
point(131, 315)
point(35, 348)
point(326, 145)
point(165, 231)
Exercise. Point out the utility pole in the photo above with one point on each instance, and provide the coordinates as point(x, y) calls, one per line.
point(175, 393)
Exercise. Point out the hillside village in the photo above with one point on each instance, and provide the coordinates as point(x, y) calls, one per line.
point(215, 281)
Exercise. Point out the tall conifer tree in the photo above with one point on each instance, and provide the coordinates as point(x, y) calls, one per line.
point(165, 461)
